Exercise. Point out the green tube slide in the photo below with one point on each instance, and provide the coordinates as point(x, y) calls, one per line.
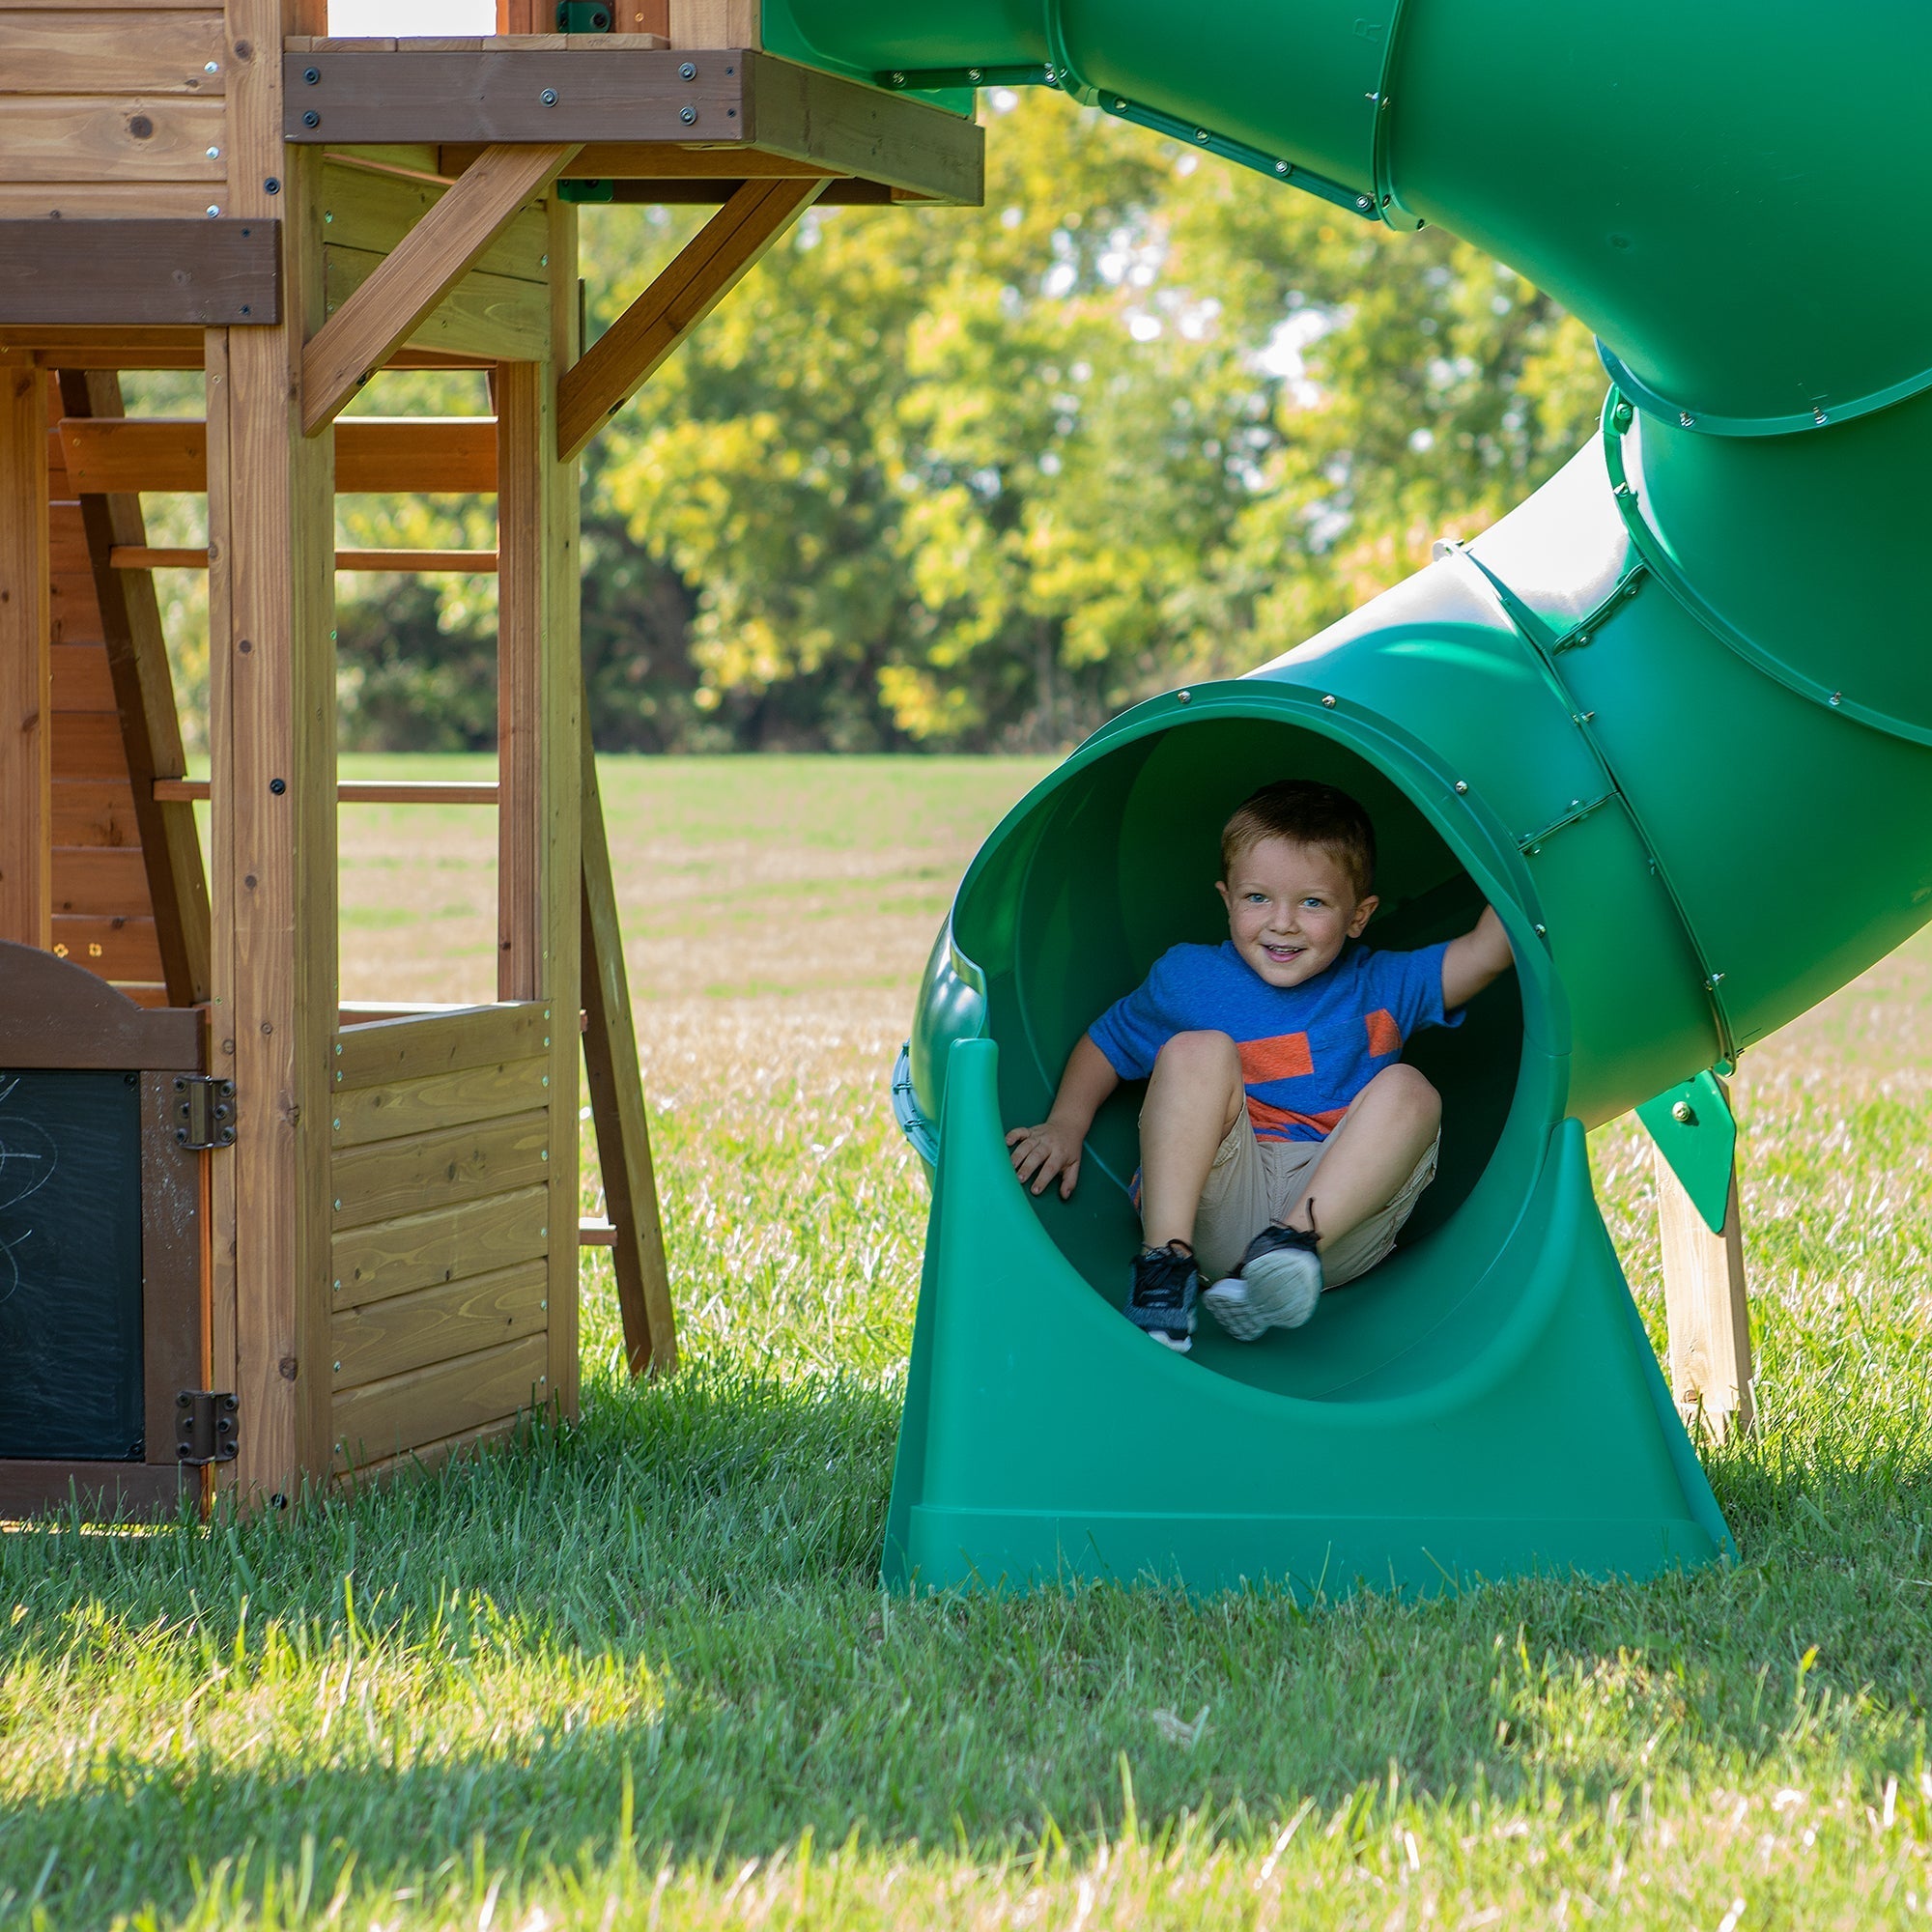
point(1672, 717)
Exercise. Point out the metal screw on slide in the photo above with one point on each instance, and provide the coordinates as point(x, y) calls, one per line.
point(1684, 1113)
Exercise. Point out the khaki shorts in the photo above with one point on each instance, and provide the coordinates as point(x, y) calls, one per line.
point(1255, 1183)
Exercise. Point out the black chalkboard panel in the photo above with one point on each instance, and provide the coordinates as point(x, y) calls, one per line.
point(71, 1265)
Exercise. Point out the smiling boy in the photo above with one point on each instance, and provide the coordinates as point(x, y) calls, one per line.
point(1275, 1082)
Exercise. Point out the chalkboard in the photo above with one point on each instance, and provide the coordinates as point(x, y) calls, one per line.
point(71, 1265)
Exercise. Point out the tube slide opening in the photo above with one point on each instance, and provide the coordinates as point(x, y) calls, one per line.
point(1113, 862)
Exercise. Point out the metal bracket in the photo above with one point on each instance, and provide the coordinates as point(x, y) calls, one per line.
point(1580, 810)
point(206, 1112)
point(204, 1426)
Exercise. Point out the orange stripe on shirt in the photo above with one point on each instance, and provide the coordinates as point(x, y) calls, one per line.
point(1384, 1036)
point(1273, 1123)
point(1284, 1057)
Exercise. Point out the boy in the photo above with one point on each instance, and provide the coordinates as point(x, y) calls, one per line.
point(1274, 1078)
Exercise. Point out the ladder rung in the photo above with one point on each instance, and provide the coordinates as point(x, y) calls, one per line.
point(142, 556)
point(596, 1234)
point(355, 791)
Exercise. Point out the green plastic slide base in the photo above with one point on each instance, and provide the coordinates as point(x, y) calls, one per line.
point(1045, 1440)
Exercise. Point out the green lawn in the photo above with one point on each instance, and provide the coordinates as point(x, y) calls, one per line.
point(641, 1673)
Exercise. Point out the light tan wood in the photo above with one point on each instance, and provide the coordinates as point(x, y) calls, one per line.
point(413, 1049)
point(434, 1324)
point(424, 1460)
point(706, 269)
point(98, 137)
point(494, 316)
point(410, 281)
point(715, 23)
point(374, 208)
point(358, 791)
point(1707, 1309)
point(26, 668)
point(617, 1104)
point(122, 50)
point(85, 201)
point(447, 1244)
point(365, 1113)
point(391, 1416)
point(473, 562)
point(414, 1177)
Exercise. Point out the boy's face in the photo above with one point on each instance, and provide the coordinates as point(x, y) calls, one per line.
point(1291, 910)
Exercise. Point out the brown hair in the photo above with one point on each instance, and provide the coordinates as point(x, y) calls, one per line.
point(1305, 813)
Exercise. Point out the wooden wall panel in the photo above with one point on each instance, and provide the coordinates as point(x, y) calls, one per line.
point(117, 50)
point(390, 1417)
point(26, 805)
point(104, 138)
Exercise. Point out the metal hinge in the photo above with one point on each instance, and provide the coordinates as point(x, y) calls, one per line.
point(206, 1111)
point(204, 1426)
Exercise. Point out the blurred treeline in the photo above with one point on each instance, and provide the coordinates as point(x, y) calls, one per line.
point(977, 478)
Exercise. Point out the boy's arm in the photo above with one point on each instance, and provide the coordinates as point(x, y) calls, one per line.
point(1053, 1147)
point(1472, 962)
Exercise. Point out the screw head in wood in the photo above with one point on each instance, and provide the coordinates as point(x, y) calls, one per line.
point(311, 119)
point(278, 786)
point(548, 97)
point(311, 74)
point(687, 71)
point(687, 115)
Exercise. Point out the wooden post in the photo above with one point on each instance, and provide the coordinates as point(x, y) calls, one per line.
point(1706, 1308)
point(272, 743)
point(540, 684)
point(26, 686)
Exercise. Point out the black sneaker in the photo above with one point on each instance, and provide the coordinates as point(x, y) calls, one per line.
point(1166, 1282)
point(1277, 1286)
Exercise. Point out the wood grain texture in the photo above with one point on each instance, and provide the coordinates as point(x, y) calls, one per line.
point(104, 138)
point(87, 744)
point(124, 945)
point(493, 316)
point(361, 1115)
point(472, 562)
point(414, 1177)
point(26, 693)
point(703, 273)
point(171, 1265)
point(1707, 1309)
point(55, 1013)
point(447, 1244)
point(80, 679)
point(715, 23)
point(99, 881)
point(388, 1051)
point(123, 272)
point(94, 813)
point(141, 50)
point(391, 454)
point(373, 208)
point(659, 161)
point(436, 1324)
point(426, 1458)
point(391, 1416)
point(406, 284)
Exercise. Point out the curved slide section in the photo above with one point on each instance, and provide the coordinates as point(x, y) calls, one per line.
point(1672, 717)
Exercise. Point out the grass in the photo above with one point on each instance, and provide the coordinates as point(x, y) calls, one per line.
point(639, 1673)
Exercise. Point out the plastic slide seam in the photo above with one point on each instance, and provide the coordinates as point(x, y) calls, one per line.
point(1383, 166)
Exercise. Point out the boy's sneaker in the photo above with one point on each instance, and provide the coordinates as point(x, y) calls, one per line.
point(1277, 1287)
point(1161, 1302)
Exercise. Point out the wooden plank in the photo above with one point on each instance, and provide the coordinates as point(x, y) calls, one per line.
point(74, 616)
point(403, 286)
point(500, 316)
point(115, 51)
point(92, 813)
point(389, 454)
point(617, 1105)
point(124, 272)
point(87, 744)
point(413, 1049)
point(81, 680)
point(171, 1258)
point(88, 201)
point(470, 562)
point(26, 697)
point(1707, 1308)
point(855, 129)
point(416, 1107)
point(103, 138)
point(706, 269)
point(53, 1012)
point(99, 881)
point(434, 1324)
point(123, 947)
point(388, 1418)
point(149, 725)
point(374, 208)
point(426, 1458)
point(660, 160)
point(358, 791)
point(102, 1492)
point(448, 1245)
point(496, 94)
point(715, 23)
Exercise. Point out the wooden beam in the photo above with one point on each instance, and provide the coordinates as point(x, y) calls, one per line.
point(1707, 1308)
point(473, 562)
point(389, 454)
point(617, 1105)
point(359, 337)
point(76, 273)
point(715, 23)
point(26, 666)
point(137, 659)
point(356, 791)
point(705, 271)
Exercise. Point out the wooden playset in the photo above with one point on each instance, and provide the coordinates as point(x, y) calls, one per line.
point(249, 1240)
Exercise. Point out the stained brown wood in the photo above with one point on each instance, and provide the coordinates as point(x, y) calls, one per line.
point(141, 138)
point(434, 1324)
point(1708, 1310)
point(407, 283)
point(171, 1249)
point(425, 1459)
point(472, 562)
point(117, 50)
point(123, 947)
point(660, 160)
point(87, 201)
point(56, 1013)
point(98, 882)
point(617, 1105)
point(365, 1114)
point(105, 348)
point(447, 1244)
point(102, 1492)
point(80, 678)
point(150, 725)
point(413, 1049)
point(706, 269)
point(494, 316)
point(87, 744)
point(391, 1416)
point(92, 813)
point(358, 791)
point(26, 695)
point(390, 454)
point(413, 1176)
point(115, 271)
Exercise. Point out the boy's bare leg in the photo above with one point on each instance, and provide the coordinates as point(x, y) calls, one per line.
point(1194, 1096)
point(1371, 1153)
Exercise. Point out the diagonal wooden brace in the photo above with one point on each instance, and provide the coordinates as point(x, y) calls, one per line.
point(435, 254)
point(706, 269)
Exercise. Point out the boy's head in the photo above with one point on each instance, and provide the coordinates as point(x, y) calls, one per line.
point(1297, 862)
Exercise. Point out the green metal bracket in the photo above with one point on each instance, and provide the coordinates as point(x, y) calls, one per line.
point(583, 16)
point(1696, 1132)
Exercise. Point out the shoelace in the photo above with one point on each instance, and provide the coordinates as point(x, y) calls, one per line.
point(1166, 1285)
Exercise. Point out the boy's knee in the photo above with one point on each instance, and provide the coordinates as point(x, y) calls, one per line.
point(1412, 1091)
point(1206, 1055)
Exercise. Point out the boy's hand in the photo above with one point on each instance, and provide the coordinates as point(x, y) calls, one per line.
point(1482, 954)
point(1040, 1152)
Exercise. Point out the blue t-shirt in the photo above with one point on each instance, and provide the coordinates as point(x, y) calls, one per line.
point(1307, 1050)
